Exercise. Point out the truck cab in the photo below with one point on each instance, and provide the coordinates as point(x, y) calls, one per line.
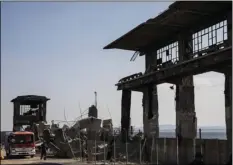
point(20, 143)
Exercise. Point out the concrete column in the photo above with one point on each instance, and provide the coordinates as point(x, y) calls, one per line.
point(228, 90)
point(185, 119)
point(150, 122)
point(228, 110)
point(125, 113)
point(150, 111)
point(150, 105)
point(185, 105)
point(155, 111)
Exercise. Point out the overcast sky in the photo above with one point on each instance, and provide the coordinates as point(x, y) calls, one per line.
point(55, 49)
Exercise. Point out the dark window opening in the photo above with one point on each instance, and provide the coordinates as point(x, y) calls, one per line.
point(21, 139)
point(167, 55)
point(209, 38)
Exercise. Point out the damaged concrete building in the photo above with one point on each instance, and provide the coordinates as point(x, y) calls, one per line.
point(29, 109)
point(75, 140)
point(187, 39)
point(174, 47)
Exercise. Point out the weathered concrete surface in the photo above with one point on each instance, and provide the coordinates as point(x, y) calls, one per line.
point(150, 112)
point(150, 122)
point(150, 101)
point(125, 113)
point(185, 119)
point(228, 90)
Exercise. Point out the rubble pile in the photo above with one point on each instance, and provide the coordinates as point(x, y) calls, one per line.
point(73, 141)
point(85, 139)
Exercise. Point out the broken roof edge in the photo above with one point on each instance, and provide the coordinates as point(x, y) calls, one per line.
point(30, 98)
point(110, 46)
point(162, 14)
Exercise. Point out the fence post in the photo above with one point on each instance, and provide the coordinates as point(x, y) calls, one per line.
point(164, 149)
point(126, 143)
point(114, 146)
point(200, 136)
point(80, 145)
point(177, 148)
point(104, 148)
point(218, 159)
point(95, 147)
point(140, 154)
point(157, 151)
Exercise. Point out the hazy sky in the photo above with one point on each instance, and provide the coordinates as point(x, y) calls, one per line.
point(55, 49)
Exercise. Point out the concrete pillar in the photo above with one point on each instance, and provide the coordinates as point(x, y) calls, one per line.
point(185, 119)
point(228, 90)
point(228, 109)
point(185, 105)
point(150, 102)
point(125, 113)
point(150, 111)
point(155, 111)
point(150, 122)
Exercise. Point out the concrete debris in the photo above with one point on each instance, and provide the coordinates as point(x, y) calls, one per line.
point(85, 138)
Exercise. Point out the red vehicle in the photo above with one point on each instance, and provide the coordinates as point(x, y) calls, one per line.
point(20, 143)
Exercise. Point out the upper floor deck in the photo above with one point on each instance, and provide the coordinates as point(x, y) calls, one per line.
point(186, 35)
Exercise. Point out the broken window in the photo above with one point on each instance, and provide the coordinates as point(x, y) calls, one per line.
point(168, 55)
point(205, 38)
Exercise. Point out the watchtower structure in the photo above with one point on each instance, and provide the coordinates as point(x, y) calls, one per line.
point(29, 109)
point(187, 39)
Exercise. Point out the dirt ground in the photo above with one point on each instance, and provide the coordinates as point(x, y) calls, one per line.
point(53, 161)
point(36, 160)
